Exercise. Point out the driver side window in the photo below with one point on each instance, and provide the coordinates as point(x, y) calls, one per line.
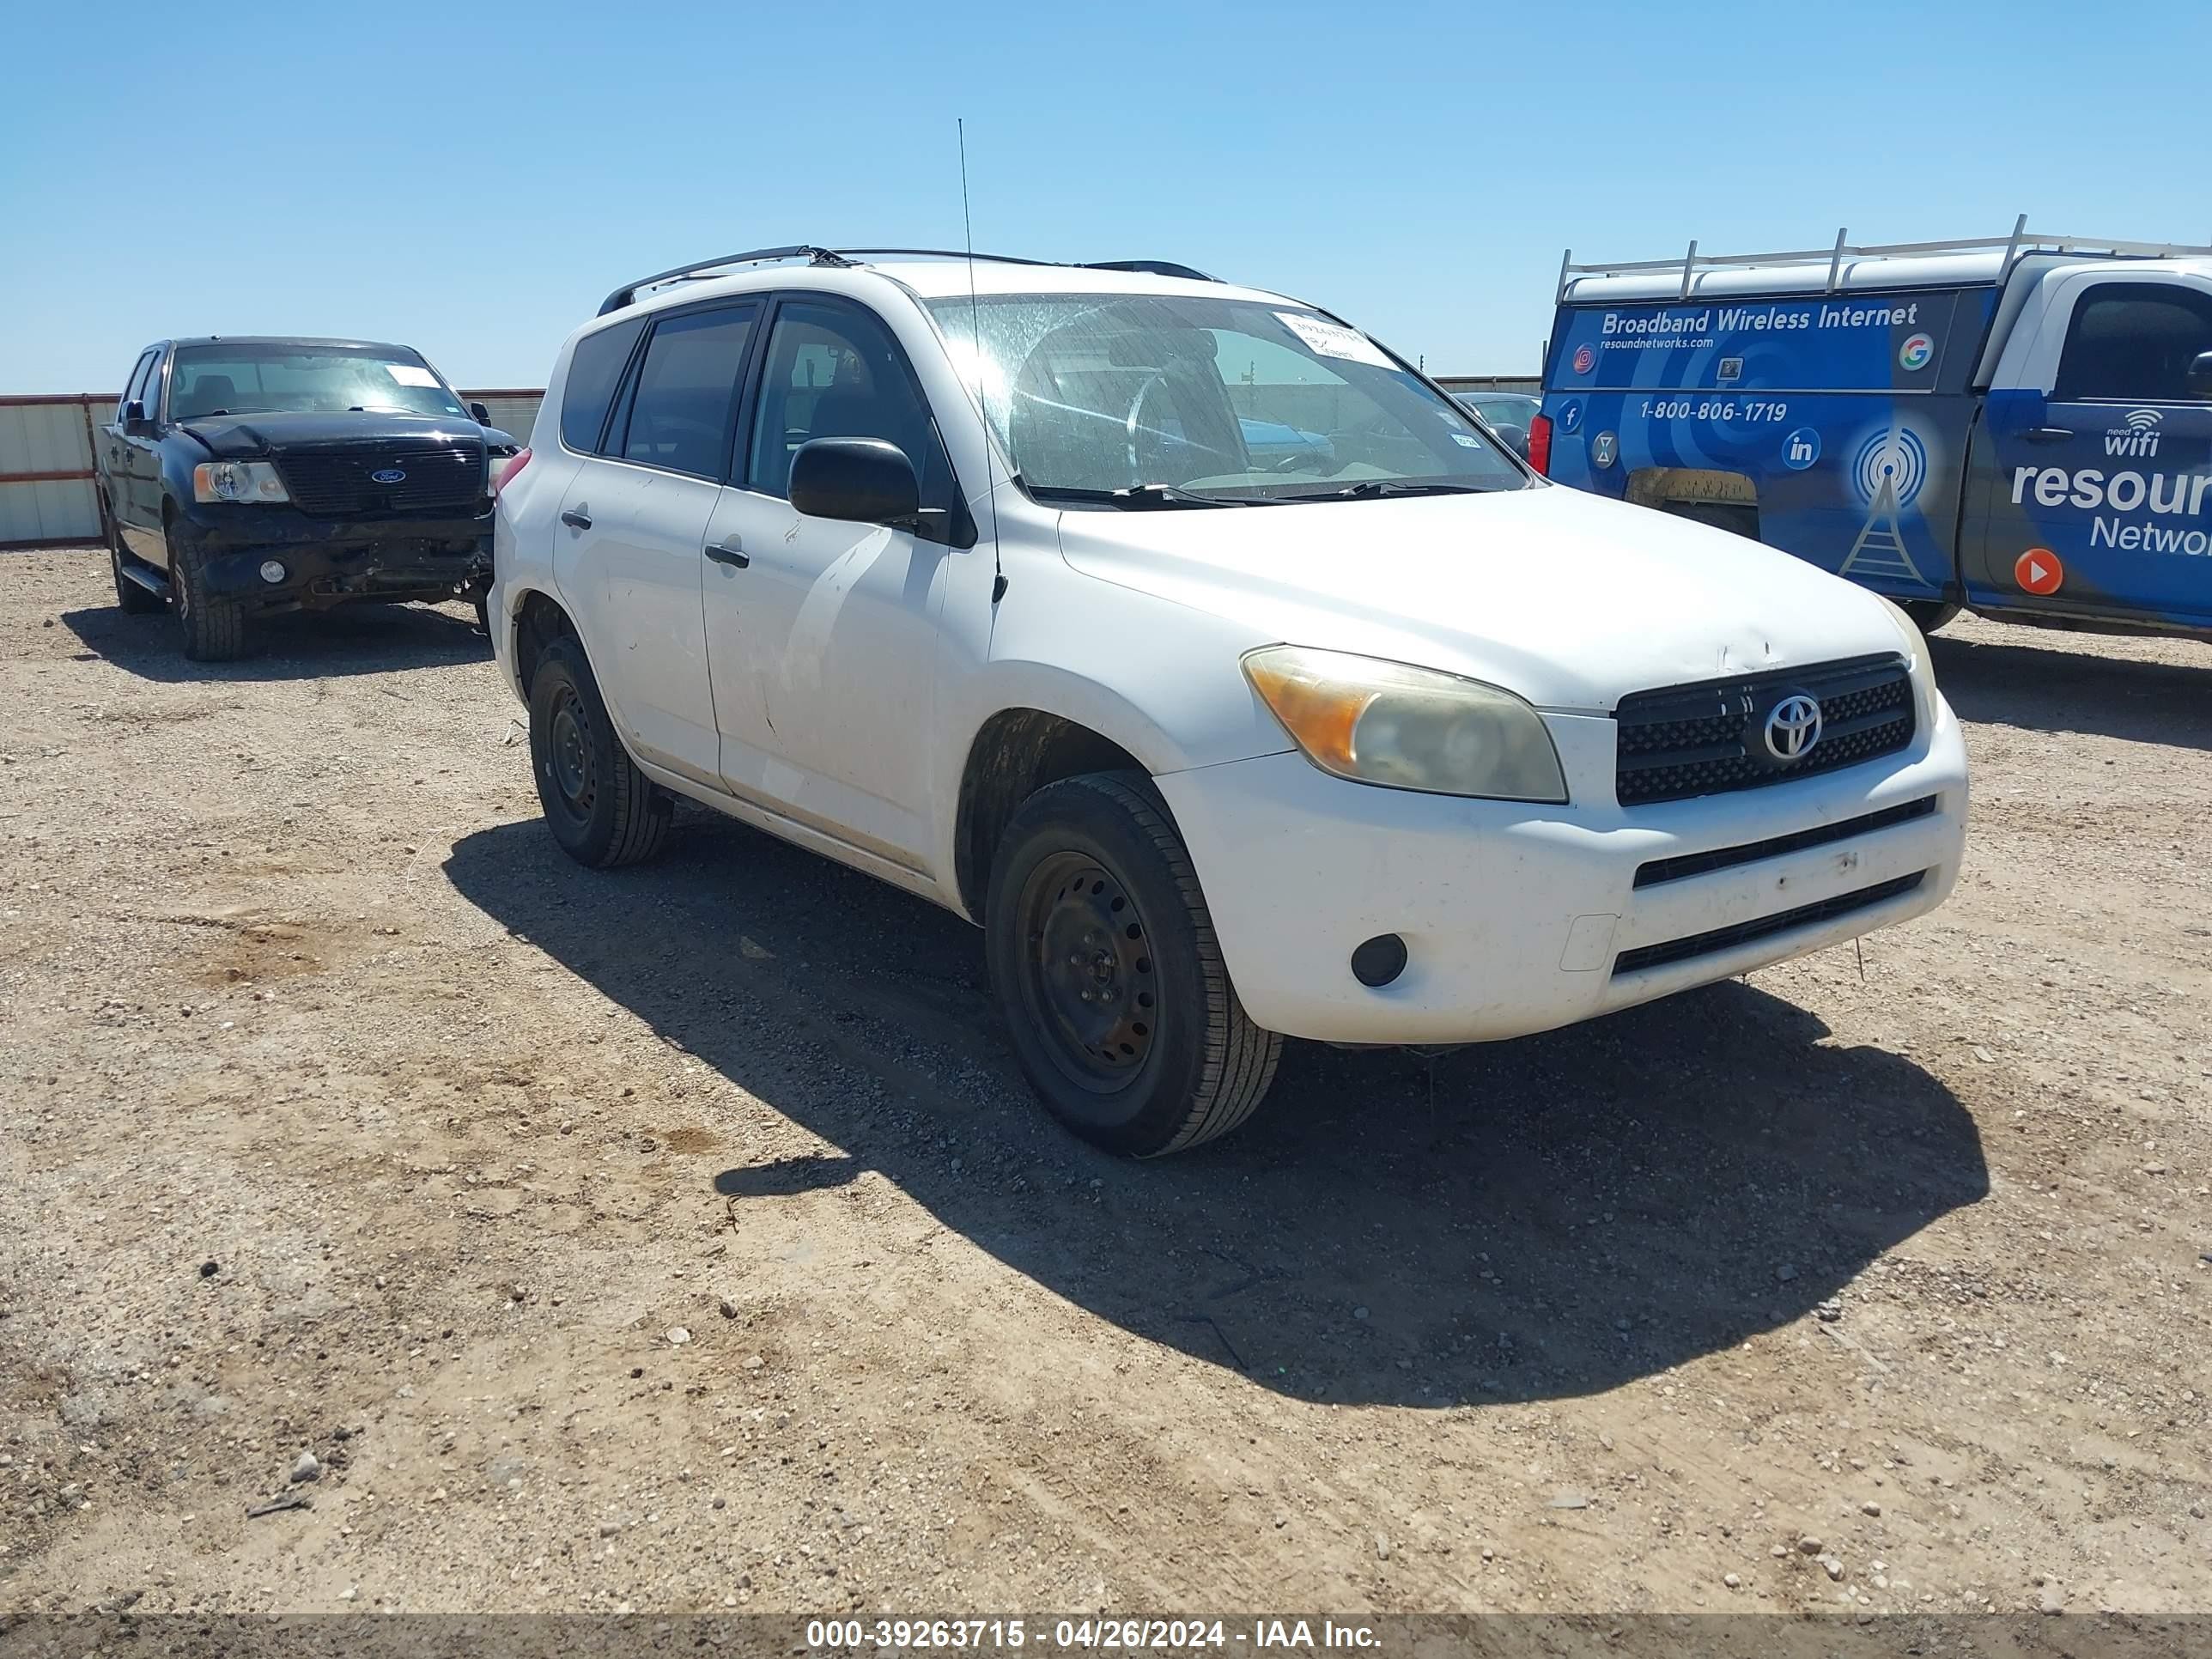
point(2133, 342)
point(834, 371)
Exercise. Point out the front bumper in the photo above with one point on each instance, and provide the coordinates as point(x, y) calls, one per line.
point(1519, 918)
point(332, 561)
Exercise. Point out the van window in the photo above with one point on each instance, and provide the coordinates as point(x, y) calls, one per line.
point(593, 369)
point(686, 391)
point(2133, 342)
point(834, 371)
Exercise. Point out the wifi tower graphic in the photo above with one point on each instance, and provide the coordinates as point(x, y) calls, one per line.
point(1888, 471)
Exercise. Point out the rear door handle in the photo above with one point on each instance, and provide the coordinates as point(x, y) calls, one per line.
point(2048, 434)
point(730, 553)
point(576, 518)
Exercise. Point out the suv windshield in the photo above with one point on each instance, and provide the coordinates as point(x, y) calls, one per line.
point(1167, 400)
point(239, 379)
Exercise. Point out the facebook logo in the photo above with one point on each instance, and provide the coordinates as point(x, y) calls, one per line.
point(1801, 449)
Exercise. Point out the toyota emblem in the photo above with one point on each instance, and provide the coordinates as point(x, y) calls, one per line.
point(1793, 726)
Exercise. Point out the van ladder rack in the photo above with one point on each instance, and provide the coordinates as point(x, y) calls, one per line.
point(2016, 246)
point(626, 294)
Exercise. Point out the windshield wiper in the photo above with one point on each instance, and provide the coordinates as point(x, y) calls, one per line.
point(1399, 487)
point(1143, 495)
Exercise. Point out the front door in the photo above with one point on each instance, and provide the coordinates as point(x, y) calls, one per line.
point(141, 476)
point(633, 520)
point(824, 635)
point(2093, 474)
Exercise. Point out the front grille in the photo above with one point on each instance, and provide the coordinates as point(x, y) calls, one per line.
point(1709, 738)
point(338, 485)
point(1726, 858)
point(1743, 932)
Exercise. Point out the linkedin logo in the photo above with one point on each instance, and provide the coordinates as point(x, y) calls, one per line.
point(1801, 449)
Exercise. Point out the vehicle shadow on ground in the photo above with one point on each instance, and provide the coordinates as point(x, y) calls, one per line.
point(2042, 688)
point(1528, 1220)
point(368, 639)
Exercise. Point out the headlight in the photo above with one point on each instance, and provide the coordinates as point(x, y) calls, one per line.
point(238, 480)
point(1403, 727)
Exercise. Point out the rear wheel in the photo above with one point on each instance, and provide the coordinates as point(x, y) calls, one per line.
point(603, 811)
point(214, 629)
point(130, 599)
point(1927, 614)
point(1105, 966)
point(1739, 517)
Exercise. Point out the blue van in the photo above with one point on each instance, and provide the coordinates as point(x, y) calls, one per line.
point(2018, 426)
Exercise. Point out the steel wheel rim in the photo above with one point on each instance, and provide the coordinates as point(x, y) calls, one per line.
point(570, 766)
point(1089, 981)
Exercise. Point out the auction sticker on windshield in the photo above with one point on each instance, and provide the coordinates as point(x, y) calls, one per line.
point(408, 374)
point(1334, 339)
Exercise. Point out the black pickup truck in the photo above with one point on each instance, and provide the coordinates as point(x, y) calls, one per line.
point(243, 475)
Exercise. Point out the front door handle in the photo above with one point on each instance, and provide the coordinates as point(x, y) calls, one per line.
point(729, 553)
point(576, 518)
point(2048, 434)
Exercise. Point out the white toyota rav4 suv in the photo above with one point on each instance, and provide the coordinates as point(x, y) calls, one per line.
point(1232, 678)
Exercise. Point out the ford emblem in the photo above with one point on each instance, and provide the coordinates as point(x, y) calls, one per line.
point(388, 475)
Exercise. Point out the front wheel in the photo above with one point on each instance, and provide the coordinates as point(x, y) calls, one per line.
point(1927, 614)
point(1104, 963)
point(603, 811)
point(214, 628)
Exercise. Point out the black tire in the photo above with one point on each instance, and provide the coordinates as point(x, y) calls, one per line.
point(130, 600)
point(1092, 890)
point(1927, 614)
point(214, 630)
point(1738, 517)
point(603, 811)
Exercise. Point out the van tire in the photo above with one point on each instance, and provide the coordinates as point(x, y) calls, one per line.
point(1927, 614)
point(1737, 517)
point(214, 629)
point(602, 809)
point(1168, 1058)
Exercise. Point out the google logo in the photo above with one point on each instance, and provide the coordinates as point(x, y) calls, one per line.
point(1915, 351)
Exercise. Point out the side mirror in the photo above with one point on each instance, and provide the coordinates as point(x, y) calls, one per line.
point(135, 423)
point(859, 480)
point(2198, 382)
point(1515, 438)
point(480, 415)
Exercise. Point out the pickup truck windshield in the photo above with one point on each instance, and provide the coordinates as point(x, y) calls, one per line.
point(1162, 401)
point(244, 379)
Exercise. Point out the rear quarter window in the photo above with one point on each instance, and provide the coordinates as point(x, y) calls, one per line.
point(594, 369)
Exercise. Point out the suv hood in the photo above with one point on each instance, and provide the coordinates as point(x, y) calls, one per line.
point(235, 436)
point(1571, 600)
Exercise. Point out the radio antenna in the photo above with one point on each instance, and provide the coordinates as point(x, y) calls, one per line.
point(982, 388)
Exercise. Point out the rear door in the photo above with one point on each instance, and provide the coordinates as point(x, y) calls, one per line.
point(634, 521)
point(2094, 463)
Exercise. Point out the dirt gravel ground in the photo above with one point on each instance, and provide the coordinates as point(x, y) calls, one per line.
point(685, 1238)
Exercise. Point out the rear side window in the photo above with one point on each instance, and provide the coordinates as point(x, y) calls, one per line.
point(687, 391)
point(2133, 342)
point(594, 368)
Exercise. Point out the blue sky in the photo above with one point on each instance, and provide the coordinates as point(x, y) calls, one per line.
point(472, 179)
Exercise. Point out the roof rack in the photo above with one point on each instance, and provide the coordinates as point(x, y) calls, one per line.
point(834, 257)
point(2016, 246)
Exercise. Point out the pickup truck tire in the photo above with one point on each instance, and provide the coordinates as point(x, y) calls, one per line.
point(130, 599)
point(1927, 614)
point(603, 811)
point(1103, 961)
point(214, 630)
